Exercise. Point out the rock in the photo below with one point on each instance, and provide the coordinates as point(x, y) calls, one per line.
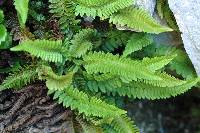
point(187, 14)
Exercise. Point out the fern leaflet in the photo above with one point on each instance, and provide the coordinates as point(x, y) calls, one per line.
point(54, 81)
point(81, 43)
point(101, 8)
point(19, 79)
point(123, 124)
point(52, 51)
point(90, 106)
point(125, 68)
point(137, 42)
point(22, 10)
point(137, 19)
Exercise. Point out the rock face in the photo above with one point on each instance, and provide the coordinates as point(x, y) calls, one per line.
point(187, 14)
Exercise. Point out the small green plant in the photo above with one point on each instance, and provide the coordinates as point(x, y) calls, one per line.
point(87, 65)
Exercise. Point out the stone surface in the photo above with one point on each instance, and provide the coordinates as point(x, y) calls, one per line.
point(187, 14)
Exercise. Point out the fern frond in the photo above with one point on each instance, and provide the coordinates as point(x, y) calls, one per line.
point(3, 33)
point(169, 17)
point(19, 78)
point(22, 10)
point(137, 42)
point(54, 81)
point(160, 5)
point(89, 127)
point(142, 90)
point(81, 43)
point(167, 80)
point(106, 83)
point(90, 106)
point(125, 68)
point(123, 124)
point(52, 51)
point(157, 63)
point(137, 19)
point(114, 40)
point(64, 10)
point(100, 8)
point(181, 63)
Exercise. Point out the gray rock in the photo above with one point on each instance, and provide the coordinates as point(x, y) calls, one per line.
point(187, 14)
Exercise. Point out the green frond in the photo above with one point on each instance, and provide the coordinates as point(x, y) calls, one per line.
point(3, 30)
point(123, 124)
point(109, 129)
point(137, 19)
point(90, 106)
point(167, 80)
point(19, 78)
point(54, 81)
point(114, 40)
point(81, 43)
point(142, 90)
point(89, 127)
point(160, 5)
point(1, 16)
point(137, 42)
point(52, 51)
point(22, 10)
point(3, 33)
point(113, 85)
point(181, 63)
point(106, 83)
point(169, 17)
point(101, 8)
point(125, 68)
point(64, 10)
point(157, 63)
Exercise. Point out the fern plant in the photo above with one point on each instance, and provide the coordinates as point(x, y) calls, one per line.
point(90, 64)
point(3, 30)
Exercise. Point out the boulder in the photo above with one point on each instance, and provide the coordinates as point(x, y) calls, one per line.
point(187, 14)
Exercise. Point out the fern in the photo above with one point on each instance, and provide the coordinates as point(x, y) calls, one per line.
point(169, 17)
point(157, 63)
point(19, 78)
point(22, 10)
point(105, 83)
point(141, 90)
point(165, 13)
point(64, 10)
point(123, 124)
point(137, 42)
point(52, 51)
point(125, 68)
point(137, 19)
point(181, 63)
point(101, 8)
point(54, 81)
point(81, 43)
point(90, 106)
point(89, 127)
point(3, 30)
point(113, 40)
point(160, 5)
